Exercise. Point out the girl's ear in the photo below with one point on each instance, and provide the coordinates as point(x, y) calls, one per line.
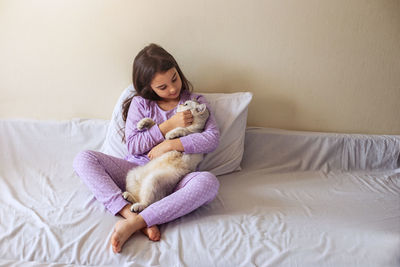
point(201, 108)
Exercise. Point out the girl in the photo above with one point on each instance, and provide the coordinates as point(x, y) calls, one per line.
point(160, 86)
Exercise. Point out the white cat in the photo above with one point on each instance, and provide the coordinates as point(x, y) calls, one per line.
point(151, 182)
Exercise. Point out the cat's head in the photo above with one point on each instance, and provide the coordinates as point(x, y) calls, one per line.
point(194, 106)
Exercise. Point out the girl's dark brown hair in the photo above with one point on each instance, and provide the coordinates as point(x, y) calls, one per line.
point(150, 60)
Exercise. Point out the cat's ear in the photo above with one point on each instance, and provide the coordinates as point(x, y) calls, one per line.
point(201, 108)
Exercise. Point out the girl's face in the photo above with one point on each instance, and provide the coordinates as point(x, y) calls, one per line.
point(167, 85)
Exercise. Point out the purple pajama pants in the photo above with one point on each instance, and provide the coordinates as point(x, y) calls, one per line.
point(105, 177)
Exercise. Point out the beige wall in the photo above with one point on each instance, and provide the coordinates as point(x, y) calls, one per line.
point(312, 65)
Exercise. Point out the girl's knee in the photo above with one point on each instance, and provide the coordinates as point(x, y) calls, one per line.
point(211, 179)
point(83, 158)
point(210, 183)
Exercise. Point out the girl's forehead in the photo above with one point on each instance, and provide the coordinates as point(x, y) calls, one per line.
point(162, 77)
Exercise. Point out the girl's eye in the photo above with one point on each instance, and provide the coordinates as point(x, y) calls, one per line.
point(174, 80)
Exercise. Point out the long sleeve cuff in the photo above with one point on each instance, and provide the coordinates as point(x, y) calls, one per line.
point(188, 145)
point(156, 134)
point(145, 140)
point(200, 143)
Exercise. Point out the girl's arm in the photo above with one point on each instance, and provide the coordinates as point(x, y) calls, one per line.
point(196, 143)
point(180, 119)
point(165, 146)
point(140, 142)
point(204, 142)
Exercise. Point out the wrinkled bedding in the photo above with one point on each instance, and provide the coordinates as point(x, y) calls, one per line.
point(301, 199)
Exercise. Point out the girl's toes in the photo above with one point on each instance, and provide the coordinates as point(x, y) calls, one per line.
point(115, 244)
point(153, 233)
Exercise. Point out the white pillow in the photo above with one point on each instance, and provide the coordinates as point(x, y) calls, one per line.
point(113, 144)
point(230, 111)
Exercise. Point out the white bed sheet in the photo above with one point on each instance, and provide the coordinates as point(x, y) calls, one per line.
point(302, 199)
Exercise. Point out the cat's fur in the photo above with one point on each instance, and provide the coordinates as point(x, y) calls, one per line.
point(151, 182)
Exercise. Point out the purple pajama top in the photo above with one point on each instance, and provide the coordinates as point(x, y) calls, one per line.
point(140, 142)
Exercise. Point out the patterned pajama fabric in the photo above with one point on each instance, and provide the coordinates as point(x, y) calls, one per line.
point(105, 175)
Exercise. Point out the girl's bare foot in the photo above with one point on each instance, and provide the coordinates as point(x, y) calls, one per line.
point(153, 233)
point(124, 229)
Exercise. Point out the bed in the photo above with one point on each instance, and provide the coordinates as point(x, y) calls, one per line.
point(297, 199)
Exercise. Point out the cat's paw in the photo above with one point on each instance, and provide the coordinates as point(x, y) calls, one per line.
point(127, 196)
point(175, 133)
point(145, 123)
point(171, 135)
point(138, 207)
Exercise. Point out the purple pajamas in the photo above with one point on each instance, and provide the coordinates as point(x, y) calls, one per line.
point(105, 175)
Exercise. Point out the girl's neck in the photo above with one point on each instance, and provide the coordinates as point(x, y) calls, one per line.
point(167, 105)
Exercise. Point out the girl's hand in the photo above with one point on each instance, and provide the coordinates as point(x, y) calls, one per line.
point(159, 149)
point(164, 147)
point(180, 119)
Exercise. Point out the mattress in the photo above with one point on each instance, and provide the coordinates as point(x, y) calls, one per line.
point(301, 199)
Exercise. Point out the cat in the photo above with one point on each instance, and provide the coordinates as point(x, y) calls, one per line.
point(153, 181)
